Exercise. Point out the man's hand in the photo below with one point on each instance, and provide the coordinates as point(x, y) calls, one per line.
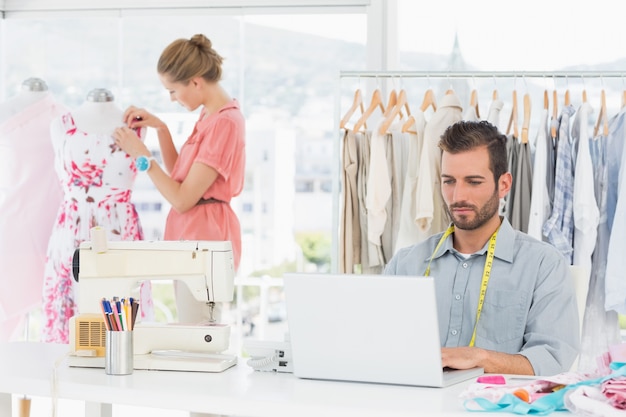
point(489, 360)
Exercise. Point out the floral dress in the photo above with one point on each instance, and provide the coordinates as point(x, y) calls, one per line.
point(97, 179)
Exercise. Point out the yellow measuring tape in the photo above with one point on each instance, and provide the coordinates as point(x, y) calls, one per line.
point(486, 272)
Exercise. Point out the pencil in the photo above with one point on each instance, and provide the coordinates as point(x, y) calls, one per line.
point(135, 309)
point(107, 322)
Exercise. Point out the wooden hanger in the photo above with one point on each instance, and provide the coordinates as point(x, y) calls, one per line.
point(429, 101)
point(584, 96)
point(376, 102)
point(555, 114)
point(474, 102)
point(567, 99)
point(546, 100)
point(408, 124)
point(391, 103)
point(526, 121)
point(513, 118)
point(623, 98)
point(356, 103)
point(393, 111)
point(602, 117)
point(494, 95)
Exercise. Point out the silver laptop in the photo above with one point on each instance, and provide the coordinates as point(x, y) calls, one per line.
point(367, 328)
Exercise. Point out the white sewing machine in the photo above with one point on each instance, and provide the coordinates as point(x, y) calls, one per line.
point(206, 267)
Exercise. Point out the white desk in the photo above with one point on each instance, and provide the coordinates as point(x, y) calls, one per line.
point(27, 368)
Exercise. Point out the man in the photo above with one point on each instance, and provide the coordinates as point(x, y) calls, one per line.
point(526, 320)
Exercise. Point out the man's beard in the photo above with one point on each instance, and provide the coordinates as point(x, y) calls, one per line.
point(482, 215)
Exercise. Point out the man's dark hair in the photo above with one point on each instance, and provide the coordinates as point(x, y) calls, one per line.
point(468, 135)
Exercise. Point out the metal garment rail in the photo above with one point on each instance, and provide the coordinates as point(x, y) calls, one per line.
point(436, 75)
point(482, 74)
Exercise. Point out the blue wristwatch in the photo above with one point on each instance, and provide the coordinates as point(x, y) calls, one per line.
point(143, 163)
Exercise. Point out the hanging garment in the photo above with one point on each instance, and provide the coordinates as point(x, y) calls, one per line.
point(586, 213)
point(600, 327)
point(370, 263)
point(559, 228)
point(522, 178)
point(616, 261)
point(409, 233)
point(378, 192)
point(350, 232)
point(431, 213)
point(399, 144)
point(615, 150)
point(30, 194)
point(97, 178)
point(470, 115)
point(512, 149)
point(539, 201)
point(493, 116)
point(551, 159)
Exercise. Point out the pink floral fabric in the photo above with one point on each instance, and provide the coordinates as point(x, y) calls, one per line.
point(97, 179)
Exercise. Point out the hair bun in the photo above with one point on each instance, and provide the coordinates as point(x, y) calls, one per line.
point(201, 42)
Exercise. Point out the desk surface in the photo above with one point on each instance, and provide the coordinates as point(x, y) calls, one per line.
point(28, 368)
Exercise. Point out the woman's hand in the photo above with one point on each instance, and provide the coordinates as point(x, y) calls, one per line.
point(129, 142)
point(135, 117)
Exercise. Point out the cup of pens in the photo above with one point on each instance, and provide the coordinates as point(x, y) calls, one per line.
point(119, 319)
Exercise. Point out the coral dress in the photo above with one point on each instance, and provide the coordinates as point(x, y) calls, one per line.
point(97, 179)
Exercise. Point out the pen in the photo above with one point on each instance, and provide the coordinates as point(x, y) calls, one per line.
point(107, 320)
point(116, 315)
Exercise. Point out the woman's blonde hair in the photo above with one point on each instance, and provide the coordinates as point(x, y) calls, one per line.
point(185, 59)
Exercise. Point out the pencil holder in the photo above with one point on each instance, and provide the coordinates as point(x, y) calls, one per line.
point(118, 358)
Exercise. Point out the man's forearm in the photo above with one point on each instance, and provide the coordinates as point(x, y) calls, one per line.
point(506, 363)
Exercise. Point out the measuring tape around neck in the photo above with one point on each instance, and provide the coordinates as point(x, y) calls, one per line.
point(486, 272)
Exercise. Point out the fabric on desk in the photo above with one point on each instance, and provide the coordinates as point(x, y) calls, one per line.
point(543, 405)
point(530, 305)
point(588, 401)
point(615, 390)
point(494, 392)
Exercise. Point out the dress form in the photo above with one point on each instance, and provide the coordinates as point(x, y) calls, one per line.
point(33, 90)
point(29, 196)
point(97, 178)
point(98, 114)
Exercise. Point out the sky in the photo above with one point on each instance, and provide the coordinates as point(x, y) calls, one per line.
point(494, 35)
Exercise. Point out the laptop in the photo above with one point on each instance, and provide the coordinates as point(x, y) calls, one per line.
point(367, 328)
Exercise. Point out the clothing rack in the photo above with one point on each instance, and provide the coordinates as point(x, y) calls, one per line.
point(436, 74)
point(482, 74)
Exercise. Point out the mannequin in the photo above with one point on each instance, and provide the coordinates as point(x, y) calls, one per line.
point(98, 114)
point(33, 90)
point(97, 178)
point(29, 196)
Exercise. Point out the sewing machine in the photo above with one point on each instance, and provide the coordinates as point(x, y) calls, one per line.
point(207, 269)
